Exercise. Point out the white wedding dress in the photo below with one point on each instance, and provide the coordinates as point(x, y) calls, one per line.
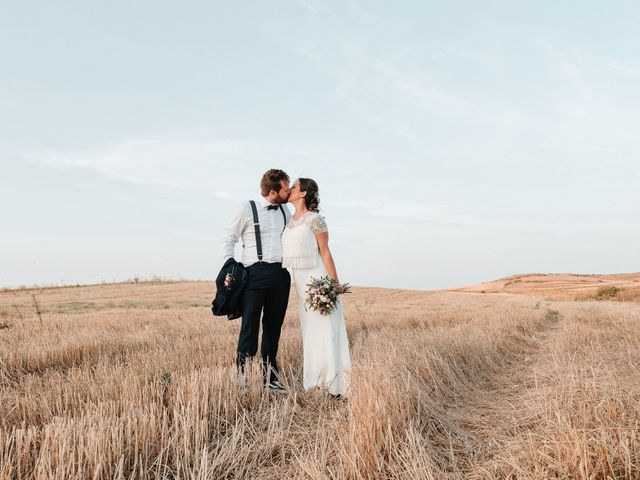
point(324, 338)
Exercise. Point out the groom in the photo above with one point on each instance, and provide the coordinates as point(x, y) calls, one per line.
point(267, 290)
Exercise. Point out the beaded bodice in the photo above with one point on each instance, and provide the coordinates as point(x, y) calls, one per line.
point(299, 245)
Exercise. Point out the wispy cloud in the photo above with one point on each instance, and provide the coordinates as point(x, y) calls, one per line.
point(627, 69)
point(170, 160)
point(397, 90)
point(202, 159)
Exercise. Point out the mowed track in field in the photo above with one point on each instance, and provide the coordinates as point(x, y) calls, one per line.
point(137, 381)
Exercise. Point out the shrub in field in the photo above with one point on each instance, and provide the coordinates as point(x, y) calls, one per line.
point(608, 292)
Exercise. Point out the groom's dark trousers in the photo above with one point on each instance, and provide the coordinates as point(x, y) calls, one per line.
point(266, 293)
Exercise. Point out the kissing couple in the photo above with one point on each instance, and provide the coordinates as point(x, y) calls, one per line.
point(278, 243)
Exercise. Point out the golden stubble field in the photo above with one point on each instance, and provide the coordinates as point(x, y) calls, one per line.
point(137, 381)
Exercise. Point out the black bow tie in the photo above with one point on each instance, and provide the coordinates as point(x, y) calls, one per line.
point(272, 207)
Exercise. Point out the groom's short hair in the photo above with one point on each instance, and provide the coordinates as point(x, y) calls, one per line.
point(271, 181)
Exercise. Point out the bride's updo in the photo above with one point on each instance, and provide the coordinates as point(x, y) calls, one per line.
point(311, 200)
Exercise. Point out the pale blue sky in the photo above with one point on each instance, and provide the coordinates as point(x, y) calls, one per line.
point(453, 142)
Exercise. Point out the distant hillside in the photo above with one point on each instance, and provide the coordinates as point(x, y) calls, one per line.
point(622, 286)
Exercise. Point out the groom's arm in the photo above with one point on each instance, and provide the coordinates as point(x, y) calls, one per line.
point(233, 233)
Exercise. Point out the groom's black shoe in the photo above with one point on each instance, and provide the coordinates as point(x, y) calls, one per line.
point(275, 386)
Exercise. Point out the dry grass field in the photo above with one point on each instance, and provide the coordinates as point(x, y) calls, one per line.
point(623, 287)
point(136, 381)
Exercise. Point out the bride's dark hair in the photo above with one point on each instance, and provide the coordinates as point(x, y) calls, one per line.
point(311, 200)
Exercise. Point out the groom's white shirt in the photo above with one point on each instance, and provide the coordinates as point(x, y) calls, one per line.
point(241, 228)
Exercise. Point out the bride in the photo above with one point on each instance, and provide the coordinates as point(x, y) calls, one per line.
point(305, 250)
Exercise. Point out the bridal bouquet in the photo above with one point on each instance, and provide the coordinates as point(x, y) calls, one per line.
point(322, 294)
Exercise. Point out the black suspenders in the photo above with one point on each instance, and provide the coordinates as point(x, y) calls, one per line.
point(284, 217)
point(256, 226)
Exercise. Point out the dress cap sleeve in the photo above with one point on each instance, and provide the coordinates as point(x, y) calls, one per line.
point(318, 224)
